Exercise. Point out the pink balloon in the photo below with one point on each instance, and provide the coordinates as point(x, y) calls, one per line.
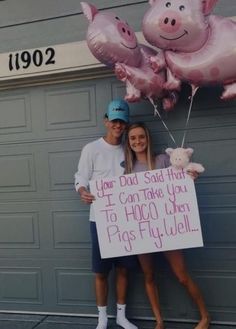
point(110, 39)
point(113, 42)
point(200, 48)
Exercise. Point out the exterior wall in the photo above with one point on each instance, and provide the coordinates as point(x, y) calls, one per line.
point(39, 24)
point(41, 136)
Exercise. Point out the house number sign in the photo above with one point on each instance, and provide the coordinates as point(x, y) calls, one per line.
point(73, 56)
point(26, 59)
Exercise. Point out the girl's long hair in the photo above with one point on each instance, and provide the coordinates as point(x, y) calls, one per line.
point(130, 156)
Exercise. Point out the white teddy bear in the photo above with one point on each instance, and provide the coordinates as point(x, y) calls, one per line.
point(180, 158)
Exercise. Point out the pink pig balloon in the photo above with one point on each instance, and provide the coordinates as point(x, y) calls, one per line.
point(113, 42)
point(200, 48)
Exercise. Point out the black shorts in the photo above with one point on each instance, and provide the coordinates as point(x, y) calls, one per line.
point(104, 265)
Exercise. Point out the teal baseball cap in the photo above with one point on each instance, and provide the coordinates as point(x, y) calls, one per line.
point(118, 109)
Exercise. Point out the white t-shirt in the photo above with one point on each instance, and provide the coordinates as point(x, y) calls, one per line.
point(99, 159)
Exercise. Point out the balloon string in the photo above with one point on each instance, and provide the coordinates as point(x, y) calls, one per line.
point(194, 90)
point(156, 112)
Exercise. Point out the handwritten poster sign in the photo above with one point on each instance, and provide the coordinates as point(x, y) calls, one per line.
point(146, 212)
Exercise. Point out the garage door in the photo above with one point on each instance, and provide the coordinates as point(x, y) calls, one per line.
point(44, 232)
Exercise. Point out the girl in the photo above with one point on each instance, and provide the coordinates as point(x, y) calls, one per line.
point(139, 156)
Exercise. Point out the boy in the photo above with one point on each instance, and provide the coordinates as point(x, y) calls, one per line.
point(104, 157)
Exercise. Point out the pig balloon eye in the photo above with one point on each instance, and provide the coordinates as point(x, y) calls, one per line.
point(117, 18)
point(168, 4)
point(181, 8)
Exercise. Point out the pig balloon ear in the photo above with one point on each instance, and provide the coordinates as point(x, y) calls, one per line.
point(207, 6)
point(151, 2)
point(89, 11)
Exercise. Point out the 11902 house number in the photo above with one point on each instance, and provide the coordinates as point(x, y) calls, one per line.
point(26, 59)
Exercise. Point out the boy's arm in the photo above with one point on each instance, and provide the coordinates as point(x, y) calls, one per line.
point(84, 174)
point(85, 195)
